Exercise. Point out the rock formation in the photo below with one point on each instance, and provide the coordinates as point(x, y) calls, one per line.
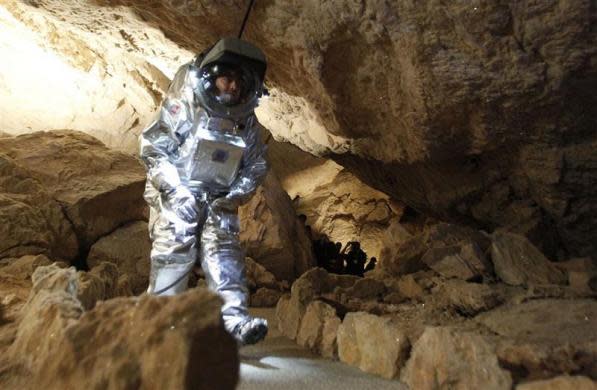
point(455, 140)
point(272, 235)
point(120, 344)
point(471, 327)
point(469, 112)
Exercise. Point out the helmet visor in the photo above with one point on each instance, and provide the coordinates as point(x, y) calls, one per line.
point(227, 85)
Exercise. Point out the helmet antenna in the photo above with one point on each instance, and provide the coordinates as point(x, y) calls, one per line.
point(242, 28)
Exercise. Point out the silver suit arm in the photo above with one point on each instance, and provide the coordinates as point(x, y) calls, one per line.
point(160, 140)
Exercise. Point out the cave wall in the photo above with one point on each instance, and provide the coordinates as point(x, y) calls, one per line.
point(471, 111)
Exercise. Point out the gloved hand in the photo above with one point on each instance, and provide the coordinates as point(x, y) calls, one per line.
point(224, 203)
point(182, 202)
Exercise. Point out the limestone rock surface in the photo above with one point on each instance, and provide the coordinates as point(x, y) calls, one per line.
point(265, 297)
point(128, 248)
point(469, 298)
point(105, 70)
point(372, 343)
point(31, 221)
point(99, 189)
point(15, 281)
point(518, 262)
point(312, 285)
point(563, 382)
point(318, 329)
point(335, 202)
point(547, 337)
point(445, 358)
point(465, 262)
point(272, 234)
point(123, 342)
point(258, 276)
point(99, 284)
point(482, 112)
point(409, 256)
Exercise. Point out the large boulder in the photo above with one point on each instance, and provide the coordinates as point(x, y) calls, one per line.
point(271, 233)
point(31, 221)
point(546, 337)
point(319, 328)
point(372, 343)
point(131, 336)
point(430, 248)
point(468, 299)
point(311, 286)
point(99, 189)
point(128, 247)
point(518, 262)
point(465, 261)
point(446, 358)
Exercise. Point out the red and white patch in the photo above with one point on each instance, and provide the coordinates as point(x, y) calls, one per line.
point(174, 109)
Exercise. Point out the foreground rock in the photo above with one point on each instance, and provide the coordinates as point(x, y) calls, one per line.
point(446, 358)
point(463, 334)
point(129, 248)
point(99, 189)
point(124, 342)
point(271, 233)
point(15, 282)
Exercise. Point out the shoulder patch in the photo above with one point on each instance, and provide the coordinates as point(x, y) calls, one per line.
point(174, 109)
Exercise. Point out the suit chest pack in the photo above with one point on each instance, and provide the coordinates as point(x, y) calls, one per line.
point(214, 152)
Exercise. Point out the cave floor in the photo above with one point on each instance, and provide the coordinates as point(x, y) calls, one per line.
point(278, 363)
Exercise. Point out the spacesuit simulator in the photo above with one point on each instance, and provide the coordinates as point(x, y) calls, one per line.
point(204, 158)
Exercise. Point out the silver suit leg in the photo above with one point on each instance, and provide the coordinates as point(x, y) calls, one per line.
point(222, 260)
point(173, 253)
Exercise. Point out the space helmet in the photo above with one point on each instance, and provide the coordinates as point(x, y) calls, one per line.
point(230, 78)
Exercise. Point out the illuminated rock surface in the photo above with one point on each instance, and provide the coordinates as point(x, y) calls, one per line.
point(98, 188)
point(271, 233)
point(482, 112)
point(442, 119)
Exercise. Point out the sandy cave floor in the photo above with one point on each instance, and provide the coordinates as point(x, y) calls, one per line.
point(278, 363)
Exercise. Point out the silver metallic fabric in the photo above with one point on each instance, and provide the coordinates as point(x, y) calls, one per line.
point(221, 163)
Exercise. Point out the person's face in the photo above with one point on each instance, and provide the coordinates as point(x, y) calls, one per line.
point(229, 87)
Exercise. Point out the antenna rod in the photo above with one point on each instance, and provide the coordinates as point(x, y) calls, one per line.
point(242, 28)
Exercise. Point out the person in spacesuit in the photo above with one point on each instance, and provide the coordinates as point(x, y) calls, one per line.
point(204, 158)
